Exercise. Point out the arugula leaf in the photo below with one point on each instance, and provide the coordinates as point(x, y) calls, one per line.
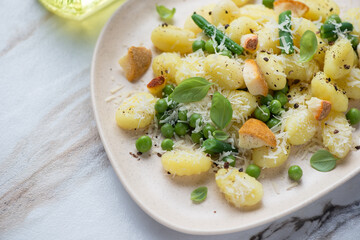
point(199, 194)
point(220, 135)
point(191, 90)
point(164, 12)
point(220, 111)
point(323, 161)
point(308, 46)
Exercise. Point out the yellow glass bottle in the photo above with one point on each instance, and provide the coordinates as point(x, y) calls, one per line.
point(75, 9)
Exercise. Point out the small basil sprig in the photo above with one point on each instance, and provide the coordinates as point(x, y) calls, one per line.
point(308, 46)
point(323, 161)
point(164, 12)
point(199, 194)
point(191, 90)
point(220, 135)
point(220, 111)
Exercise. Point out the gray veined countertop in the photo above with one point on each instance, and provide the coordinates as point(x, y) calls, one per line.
point(55, 179)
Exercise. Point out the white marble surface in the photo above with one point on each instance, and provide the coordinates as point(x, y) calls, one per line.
point(55, 179)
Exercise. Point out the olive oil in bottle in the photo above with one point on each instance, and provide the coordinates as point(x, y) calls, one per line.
point(74, 9)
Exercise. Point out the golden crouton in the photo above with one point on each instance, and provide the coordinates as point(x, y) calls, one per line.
point(254, 134)
point(136, 62)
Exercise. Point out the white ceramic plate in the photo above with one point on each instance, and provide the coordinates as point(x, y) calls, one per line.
point(163, 197)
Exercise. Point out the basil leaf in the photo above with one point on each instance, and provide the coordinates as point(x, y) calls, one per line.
point(220, 111)
point(308, 46)
point(164, 12)
point(220, 135)
point(199, 194)
point(191, 90)
point(323, 161)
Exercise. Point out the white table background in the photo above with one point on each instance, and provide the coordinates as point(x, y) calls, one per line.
point(55, 179)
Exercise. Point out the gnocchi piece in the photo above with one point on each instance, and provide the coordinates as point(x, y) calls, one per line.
point(320, 9)
point(156, 85)
point(241, 3)
point(336, 133)
point(135, 112)
point(258, 12)
point(294, 69)
point(322, 87)
point(267, 157)
point(190, 66)
point(169, 38)
point(239, 188)
point(224, 12)
point(241, 26)
point(299, 93)
point(268, 38)
point(206, 12)
point(226, 72)
point(339, 59)
point(242, 102)
point(351, 84)
point(300, 126)
point(185, 162)
point(272, 69)
point(165, 65)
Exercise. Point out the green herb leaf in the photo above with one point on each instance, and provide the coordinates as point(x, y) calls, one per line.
point(220, 135)
point(308, 46)
point(199, 194)
point(323, 161)
point(268, 3)
point(164, 12)
point(191, 90)
point(220, 111)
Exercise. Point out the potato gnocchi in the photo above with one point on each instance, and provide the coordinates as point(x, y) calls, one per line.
point(237, 94)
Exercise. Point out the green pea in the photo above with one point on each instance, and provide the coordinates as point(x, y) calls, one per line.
point(198, 44)
point(208, 129)
point(285, 90)
point(262, 113)
point(167, 130)
point(275, 106)
point(266, 100)
point(253, 170)
point(143, 144)
point(210, 46)
point(226, 53)
point(167, 144)
point(168, 89)
point(333, 18)
point(196, 137)
point(182, 115)
point(272, 122)
point(295, 172)
point(230, 159)
point(161, 105)
point(181, 128)
point(281, 97)
point(353, 115)
point(194, 118)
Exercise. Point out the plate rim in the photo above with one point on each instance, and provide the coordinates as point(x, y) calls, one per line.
point(138, 201)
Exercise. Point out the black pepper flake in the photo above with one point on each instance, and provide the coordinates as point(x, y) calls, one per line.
point(214, 211)
point(289, 96)
point(252, 31)
point(328, 79)
point(159, 154)
point(296, 81)
point(210, 13)
point(267, 73)
point(296, 105)
point(226, 26)
point(133, 155)
point(168, 172)
point(336, 88)
point(208, 155)
point(194, 12)
point(241, 169)
point(336, 131)
point(331, 9)
point(347, 66)
point(266, 59)
point(275, 85)
point(357, 147)
point(226, 12)
point(164, 25)
point(139, 153)
point(226, 165)
point(326, 124)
